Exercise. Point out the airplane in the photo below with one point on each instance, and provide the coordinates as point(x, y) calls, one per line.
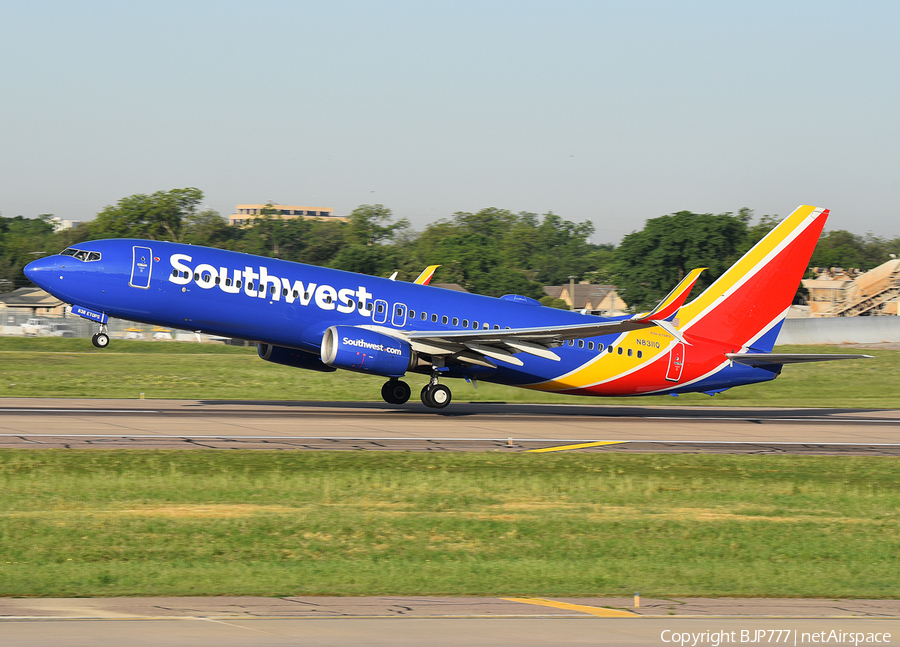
point(323, 319)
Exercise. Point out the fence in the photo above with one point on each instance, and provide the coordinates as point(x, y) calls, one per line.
point(840, 330)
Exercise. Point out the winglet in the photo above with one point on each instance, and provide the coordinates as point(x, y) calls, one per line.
point(425, 276)
point(669, 306)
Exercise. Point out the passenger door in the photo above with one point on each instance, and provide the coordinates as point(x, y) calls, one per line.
point(141, 267)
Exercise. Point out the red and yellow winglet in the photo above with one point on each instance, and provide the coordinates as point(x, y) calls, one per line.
point(667, 308)
point(425, 276)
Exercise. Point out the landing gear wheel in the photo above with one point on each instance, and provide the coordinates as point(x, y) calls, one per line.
point(436, 396)
point(100, 340)
point(440, 396)
point(395, 392)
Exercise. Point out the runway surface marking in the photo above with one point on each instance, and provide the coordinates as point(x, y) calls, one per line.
point(594, 611)
point(563, 448)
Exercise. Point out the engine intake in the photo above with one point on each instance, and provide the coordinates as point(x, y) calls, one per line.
point(366, 351)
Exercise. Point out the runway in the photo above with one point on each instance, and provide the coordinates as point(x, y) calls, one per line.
point(243, 621)
point(166, 424)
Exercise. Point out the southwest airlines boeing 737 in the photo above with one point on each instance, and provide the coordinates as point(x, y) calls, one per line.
point(322, 319)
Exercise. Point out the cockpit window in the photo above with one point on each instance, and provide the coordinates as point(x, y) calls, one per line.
point(80, 254)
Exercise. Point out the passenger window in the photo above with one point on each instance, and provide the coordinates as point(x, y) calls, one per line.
point(487, 326)
point(424, 316)
point(465, 323)
point(600, 347)
point(620, 350)
point(284, 292)
point(496, 327)
point(371, 306)
point(434, 318)
point(399, 311)
point(590, 345)
point(380, 307)
point(218, 280)
point(474, 325)
point(629, 352)
point(175, 273)
point(444, 319)
point(455, 321)
point(296, 294)
point(196, 276)
point(640, 354)
point(238, 283)
point(412, 314)
point(580, 343)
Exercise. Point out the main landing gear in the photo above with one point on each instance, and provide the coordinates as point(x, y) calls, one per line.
point(396, 392)
point(101, 339)
point(434, 395)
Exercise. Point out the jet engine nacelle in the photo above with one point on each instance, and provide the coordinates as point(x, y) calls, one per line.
point(291, 357)
point(366, 351)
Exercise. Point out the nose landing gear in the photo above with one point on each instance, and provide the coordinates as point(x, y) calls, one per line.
point(101, 339)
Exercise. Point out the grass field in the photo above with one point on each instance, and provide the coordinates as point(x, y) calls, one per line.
point(43, 367)
point(105, 522)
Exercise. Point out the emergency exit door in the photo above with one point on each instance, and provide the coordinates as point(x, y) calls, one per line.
point(676, 363)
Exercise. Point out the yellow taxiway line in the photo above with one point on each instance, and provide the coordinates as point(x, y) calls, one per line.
point(563, 448)
point(594, 611)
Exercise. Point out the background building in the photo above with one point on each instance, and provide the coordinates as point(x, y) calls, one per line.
point(589, 296)
point(247, 213)
point(836, 292)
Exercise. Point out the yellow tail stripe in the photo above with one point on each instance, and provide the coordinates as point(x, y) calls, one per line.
point(745, 264)
point(563, 448)
point(594, 611)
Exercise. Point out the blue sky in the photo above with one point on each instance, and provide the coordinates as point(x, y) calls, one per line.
point(610, 112)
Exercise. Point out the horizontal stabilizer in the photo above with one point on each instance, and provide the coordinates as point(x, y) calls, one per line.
point(761, 359)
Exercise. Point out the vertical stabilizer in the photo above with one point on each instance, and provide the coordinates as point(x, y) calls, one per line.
point(745, 307)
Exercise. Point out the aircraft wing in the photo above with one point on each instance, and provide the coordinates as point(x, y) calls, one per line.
point(473, 346)
point(485, 346)
point(760, 359)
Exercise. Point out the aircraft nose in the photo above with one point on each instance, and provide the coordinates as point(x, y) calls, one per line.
point(40, 271)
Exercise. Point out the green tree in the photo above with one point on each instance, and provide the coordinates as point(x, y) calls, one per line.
point(650, 262)
point(207, 227)
point(21, 241)
point(371, 224)
point(159, 216)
